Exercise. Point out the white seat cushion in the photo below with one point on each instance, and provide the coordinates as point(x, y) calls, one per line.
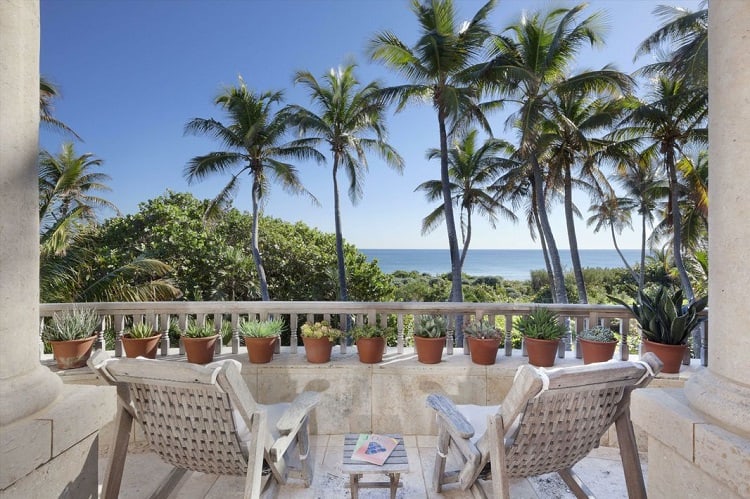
point(476, 415)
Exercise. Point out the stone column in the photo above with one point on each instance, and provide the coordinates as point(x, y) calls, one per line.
point(723, 390)
point(25, 386)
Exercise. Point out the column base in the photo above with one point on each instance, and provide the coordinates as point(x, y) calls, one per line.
point(28, 393)
point(721, 399)
point(54, 453)
point(689, 455)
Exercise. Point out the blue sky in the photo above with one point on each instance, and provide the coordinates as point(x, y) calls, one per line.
point(133, 72)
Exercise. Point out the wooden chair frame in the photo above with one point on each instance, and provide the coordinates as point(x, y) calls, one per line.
point(549, 421)
point(203, 418)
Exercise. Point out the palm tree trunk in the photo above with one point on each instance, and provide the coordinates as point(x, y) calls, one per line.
point(622, 257)
point(456, 291)
point(559, 294)
point(642, 273)
point(572, 239)
point(254, 242)
point(467, 238)
point(545, 252)
point(343, 296)
point(674, 198)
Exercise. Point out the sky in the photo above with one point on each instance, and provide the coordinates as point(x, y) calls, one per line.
point(132, 73)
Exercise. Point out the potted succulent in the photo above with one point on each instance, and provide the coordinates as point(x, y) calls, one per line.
point(666, 323)
point(484, 341)
point(199, 342)
point(318, 339)
point(542, 331)
point(429, 338)
point(370, 340)
point(72, 333)
point(597, 344)
point(140, 340)
point(261, 338)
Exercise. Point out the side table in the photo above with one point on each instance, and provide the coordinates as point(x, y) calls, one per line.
point(396, 464)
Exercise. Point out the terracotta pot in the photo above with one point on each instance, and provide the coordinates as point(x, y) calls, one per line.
point(260, 350)
point(317, 350)
point(541, 352)
point(141, 347)
point(429, 350)
point(670, 355)
point(370, 350)
point(597, 351)
point(200, 350)
point(72, 354)
point(483, 351)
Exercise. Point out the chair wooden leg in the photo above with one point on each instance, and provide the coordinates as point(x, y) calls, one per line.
point(303, 444)
point(631, 462)
point(443, 440)
point(576, 485)
point(495, 432)
point(113, 477)
point(171, 483)
point(255, 458)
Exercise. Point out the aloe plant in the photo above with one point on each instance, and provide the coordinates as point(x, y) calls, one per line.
point(261, 329)
point(141, 330)
point(195, 330)
point(74, 324)
point(541, 324)
point(663, 316)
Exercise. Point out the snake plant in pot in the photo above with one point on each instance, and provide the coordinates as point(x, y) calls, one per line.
point(666, 323)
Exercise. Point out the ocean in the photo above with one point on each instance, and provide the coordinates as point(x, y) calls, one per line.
point(507, 263)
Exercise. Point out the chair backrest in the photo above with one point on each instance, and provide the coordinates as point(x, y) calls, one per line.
point(554, 418)
point(188, 411)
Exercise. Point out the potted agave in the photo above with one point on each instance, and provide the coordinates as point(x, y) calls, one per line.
point(484, 341)
point(370, 340)
point(261, 338)
point(318, 339)
point(429, 338)
point(597, 344)
point(72, 333)
point(140, 340)
point(666, 323)
point(542, 331)
point(199, 342)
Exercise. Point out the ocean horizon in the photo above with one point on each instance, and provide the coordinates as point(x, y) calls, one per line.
point(511, 264)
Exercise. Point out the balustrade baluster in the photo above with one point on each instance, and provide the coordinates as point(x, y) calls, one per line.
point(235, 333)
point(508, 335)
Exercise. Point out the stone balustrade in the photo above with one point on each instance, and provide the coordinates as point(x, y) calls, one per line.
point(116, 316)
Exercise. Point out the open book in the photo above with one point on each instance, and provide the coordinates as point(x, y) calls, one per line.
point(373, 449)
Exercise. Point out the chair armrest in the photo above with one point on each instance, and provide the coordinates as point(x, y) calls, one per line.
point(296, 412)
point(448, 412)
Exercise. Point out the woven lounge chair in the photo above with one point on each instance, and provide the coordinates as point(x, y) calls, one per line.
point(548, 422)
point(203, 418)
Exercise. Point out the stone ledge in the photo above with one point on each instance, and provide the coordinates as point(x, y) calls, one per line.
point(688, 435)
point(28, 444)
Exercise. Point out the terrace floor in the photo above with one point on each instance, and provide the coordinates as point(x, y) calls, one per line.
point(601, 471)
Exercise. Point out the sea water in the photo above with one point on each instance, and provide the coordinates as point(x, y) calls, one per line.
point(510, 264)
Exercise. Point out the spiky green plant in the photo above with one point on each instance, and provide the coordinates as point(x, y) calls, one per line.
point(261, 329)
point(482, 329)
point(141, 330)
point(540, 324)
point(664, 317)
point(431, 326)
point(73, 324)
point(195, 330)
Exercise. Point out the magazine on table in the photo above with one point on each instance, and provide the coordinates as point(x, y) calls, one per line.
point(373, 448)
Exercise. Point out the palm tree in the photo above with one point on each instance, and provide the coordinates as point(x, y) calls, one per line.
point(252, 140)
point(473, 172)
point(571, 121)
point(644, 186)
point(68, 187)
point(613, 212)
point(529, 62)
point(684, 35)
point(48, 92)
point(673, 119)
point(349, 115)
point(439, 67)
